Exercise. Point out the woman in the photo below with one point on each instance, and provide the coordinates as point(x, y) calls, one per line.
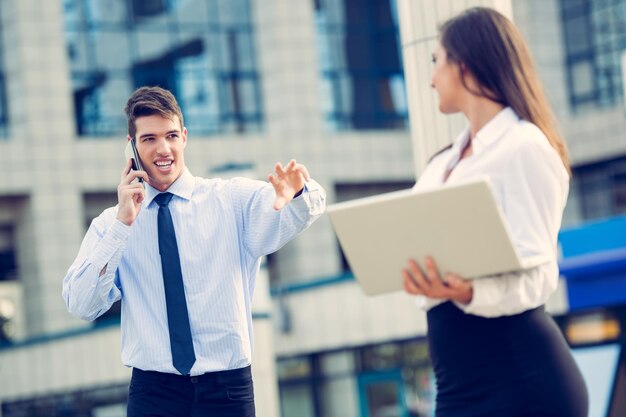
point(494, 349)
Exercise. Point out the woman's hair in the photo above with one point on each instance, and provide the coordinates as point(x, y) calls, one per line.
point(491, 48)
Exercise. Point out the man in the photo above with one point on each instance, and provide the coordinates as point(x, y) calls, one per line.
point(182, 254)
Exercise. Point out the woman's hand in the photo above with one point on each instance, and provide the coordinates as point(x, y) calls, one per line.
point(431, 284)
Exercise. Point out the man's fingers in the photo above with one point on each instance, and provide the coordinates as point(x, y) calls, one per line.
point(302, 169)
point(279, 169)
point(133, 175)
point(291, 165)
point(291, 168)
point(132, 189)
point(272, 180)
point(126, 170)
point(129, 175)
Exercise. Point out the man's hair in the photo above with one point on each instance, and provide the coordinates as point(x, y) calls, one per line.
point(148, 101)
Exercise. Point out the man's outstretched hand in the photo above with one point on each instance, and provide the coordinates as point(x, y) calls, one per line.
point(287, 182)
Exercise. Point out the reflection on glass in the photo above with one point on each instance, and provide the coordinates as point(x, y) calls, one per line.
point(420, 391)
point(293, 368)
point(601, 188)
point(381, 357)
point(384, 400)
point(337, 363)
point(201, 50)
point(595, 38)
point(296, 401)
point(361, 64)
point(339, 397)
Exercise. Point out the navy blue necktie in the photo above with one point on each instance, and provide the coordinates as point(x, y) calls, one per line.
point(183, 355)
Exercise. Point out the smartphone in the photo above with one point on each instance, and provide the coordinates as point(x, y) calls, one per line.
point(131, 153)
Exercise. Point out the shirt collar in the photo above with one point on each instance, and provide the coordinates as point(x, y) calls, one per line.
point(182, 187)
point(494, 129)
point(488, 134)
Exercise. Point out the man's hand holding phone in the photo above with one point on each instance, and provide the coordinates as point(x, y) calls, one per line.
point(131, 153)
point(130, 193)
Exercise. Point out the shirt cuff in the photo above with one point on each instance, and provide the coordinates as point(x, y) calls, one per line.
point(114, 239)
point(314, 197)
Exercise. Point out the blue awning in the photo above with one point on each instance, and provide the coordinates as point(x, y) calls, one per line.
point(594, 263)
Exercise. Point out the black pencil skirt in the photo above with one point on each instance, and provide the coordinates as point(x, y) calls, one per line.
point(506, 366)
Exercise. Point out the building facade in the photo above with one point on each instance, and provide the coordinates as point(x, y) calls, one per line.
point(334, 84)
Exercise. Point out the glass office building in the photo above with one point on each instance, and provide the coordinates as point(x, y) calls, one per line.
point(260, 81)
point(202, 51)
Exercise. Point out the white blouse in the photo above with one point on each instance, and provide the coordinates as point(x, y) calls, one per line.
point(531, 184)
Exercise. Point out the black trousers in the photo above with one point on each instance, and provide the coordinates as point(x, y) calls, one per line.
point(513, 366)
point(221, 394)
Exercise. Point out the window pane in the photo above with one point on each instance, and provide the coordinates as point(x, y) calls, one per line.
point(339, 398)
point(360, 60)
point(582, 78)
point(601, 188)
point(233, 12)
point(594, 41)
point(111, 50)
point(296, 401)
point(107, 11)
point(337, 363)
point(293, 368)
point(577, 34)
point(191, 11)
point(420, 390)
point(381, 357)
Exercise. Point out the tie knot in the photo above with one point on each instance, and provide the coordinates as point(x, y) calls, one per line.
point(163, 199)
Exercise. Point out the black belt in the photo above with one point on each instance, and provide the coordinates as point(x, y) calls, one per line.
point(215, 377)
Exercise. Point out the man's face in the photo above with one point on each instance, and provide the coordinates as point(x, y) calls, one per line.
point(160, 145)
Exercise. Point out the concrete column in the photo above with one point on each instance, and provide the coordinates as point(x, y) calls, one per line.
point(42, 128)
point(264, 356)
point(430, 130)
point(286, 38)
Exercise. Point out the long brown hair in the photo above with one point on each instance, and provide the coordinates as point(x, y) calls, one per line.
point(494, 51)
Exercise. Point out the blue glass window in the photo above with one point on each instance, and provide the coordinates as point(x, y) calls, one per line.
point(361, 64)
point(201, 50)
point(595, 39)
point(601, 188)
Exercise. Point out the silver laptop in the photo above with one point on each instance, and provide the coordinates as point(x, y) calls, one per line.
point(461, 226)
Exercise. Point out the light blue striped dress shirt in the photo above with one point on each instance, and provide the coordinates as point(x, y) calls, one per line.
point(223, 227)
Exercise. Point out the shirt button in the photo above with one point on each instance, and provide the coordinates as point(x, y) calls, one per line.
point(194, 379)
